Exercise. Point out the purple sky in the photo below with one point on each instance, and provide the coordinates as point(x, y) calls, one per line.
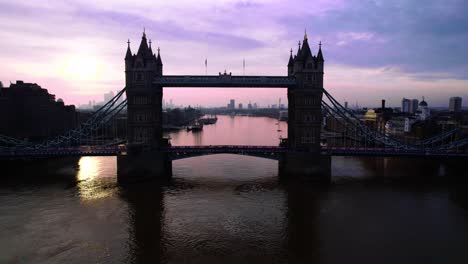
point(373, 49)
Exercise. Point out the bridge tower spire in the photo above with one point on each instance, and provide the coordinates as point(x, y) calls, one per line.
point(159, 63)
point(290, 63)
point(128, 57)
point(143, 49)
point(149, 48)
point(298, 48)
point(320, 55)
point(129, 52)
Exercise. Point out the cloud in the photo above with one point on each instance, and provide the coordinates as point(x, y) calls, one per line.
point(419, 38)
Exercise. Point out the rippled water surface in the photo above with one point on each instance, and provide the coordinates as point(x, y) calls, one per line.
point(229, 209)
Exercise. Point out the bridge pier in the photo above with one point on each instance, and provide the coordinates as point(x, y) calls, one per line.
point(305, 165)
point(152, 165)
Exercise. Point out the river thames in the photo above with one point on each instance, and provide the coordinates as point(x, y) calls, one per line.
point(233, 209)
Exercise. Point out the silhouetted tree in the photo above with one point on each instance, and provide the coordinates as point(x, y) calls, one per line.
point(1, 84)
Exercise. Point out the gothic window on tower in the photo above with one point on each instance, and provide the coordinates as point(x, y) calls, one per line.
point(141, 135)
point(310, 101)
point(309, 76)
point(140, 100)
point(139, 76)
point(309, 66)
point(139, 117)
point(308, 137)
point(150, 133)
point(137, 135)
point(143, 117)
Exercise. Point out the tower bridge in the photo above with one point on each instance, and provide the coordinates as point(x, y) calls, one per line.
point(147, 154)
point(145, 82)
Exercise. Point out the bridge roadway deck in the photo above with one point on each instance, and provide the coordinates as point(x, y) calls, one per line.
point(179, 152)
point(225, 81)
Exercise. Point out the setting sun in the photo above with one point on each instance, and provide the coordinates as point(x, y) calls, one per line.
point(82, 67)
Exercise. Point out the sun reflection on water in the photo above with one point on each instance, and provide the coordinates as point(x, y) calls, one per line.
point(89, 168)
point(91, 182)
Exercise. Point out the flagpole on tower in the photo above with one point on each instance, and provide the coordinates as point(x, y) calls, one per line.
point(206, 66)
point(243, 64)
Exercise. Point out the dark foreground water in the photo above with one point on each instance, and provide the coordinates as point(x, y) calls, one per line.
point(232, 209)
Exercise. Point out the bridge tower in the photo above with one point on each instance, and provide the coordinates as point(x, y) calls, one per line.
point(305, 115)
point(144, 114)
point(144, 121)
point(304, 100)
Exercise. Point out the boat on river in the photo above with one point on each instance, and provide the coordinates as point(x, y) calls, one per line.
point(208, 120)
point(197, 126)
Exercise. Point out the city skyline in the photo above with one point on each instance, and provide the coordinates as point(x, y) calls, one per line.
point(353, 105)
point(401, 50)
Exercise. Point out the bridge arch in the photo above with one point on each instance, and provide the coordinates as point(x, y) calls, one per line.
point(185, 155)
point(267, 152)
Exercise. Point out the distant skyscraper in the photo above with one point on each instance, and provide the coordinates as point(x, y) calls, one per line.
point(232, 104)
point(406, 105)
point(414, 106)
point(455, 104)
point(240, 106)
point(249, 106)
point(108, 96)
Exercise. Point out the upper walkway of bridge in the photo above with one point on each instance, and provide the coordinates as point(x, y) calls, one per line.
point(225, 80)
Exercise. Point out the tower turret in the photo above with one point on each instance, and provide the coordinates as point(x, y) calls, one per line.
point(320, 55)
point(291, 64)
point(129, 63)
point(159, 63)
point(150, 50)
point(298, 48)
point(128, 56)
